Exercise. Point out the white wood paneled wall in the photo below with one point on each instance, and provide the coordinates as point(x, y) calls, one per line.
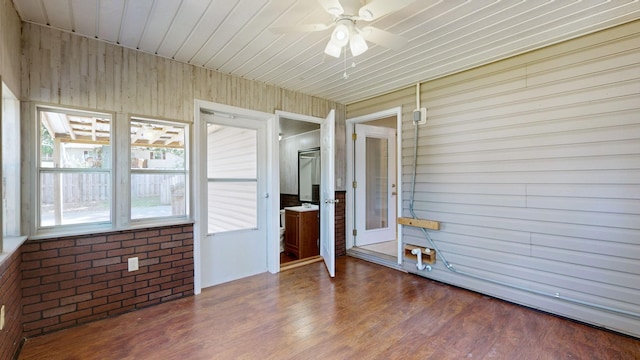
point(70, 70)
point(10, 46)
point(532, 165)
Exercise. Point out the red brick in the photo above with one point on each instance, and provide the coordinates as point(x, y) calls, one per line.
point(61, 260)
point(134, 286)
point(120, 252)
point(30, 265)
point(107, 292)
point(170, 271)
point(92, 256)
point(39, 324)
point(147, 276)
point(159, 294)
point(121, 281)
point(122, 296)
point(172, 284)
point(49, 244)
point(40, 306)
point(79, 281)
point(171, 297)
point(30, 247)
point(75, 266)
point(38, 255)
point(91, 240)
point(135, 300)
point(159, 253)
point(147, 248)
point(92, 318)
point(183, 275)
point(182, 236)
point(39, 289)
point(147, 234)
point(76, 315)
point(105, 246)
point(188, 255)
point(76, 299)
point(107, 261)
point(92, 271)
point(182, 249)
point(147, 290)
point(25, 283)
point(106, 277)
point(59, 310)
point(58, 294)
point(27, 274)
point(26, 300)
point(134, 243)
point(75, 250)
point(170, 244)
point(173, 257)
point(160, 239)
point(107, 307)
point(148, 262)
point(187, 229)
point(161, 280)
point(27, 318)
point(117, 267)
point(163, 266)
point(187, 241)
point(62, 325)
point(91, 303)
point(91, 287)
point(182, 262)
point(120, 237)
point(169, 231)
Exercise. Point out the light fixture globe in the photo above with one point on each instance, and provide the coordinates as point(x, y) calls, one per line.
point(357, 44)
point(333, 50)
point(340, 35)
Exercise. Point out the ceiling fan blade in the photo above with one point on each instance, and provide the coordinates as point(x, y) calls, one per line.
point(383, 38)
point(298, 28)
point(333, 7)
point(377, 8)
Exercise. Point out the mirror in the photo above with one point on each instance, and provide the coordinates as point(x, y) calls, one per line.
point(309, 175)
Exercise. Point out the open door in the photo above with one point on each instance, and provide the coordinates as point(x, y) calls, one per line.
point(327, 194)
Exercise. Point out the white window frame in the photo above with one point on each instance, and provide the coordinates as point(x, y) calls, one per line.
point(120, 196)
point(111, 171)
point(185, 171)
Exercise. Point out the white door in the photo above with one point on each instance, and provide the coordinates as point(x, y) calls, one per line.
point(327, 194)
point(375, 188)
point(236, 242)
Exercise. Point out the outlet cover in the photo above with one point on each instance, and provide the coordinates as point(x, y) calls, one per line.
point(2, 317)
point(133, 264)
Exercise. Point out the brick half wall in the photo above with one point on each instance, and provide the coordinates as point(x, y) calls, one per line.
point(74, 280)
point(10, 297)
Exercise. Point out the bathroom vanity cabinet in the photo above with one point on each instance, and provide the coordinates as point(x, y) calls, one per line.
point(302, 232)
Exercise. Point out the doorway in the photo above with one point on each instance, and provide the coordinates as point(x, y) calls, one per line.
point(373, 199)
point(306, 179)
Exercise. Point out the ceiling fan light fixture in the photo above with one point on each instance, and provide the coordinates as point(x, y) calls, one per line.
point(357, 44)
point(340, 35)
point(333, 49)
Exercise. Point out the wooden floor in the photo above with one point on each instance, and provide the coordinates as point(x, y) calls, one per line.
point(367, 312)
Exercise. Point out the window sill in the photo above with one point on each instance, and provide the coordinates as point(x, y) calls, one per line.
point(103, 229)
point(10, 245)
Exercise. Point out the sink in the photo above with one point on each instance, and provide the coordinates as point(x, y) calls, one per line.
point(302, 208)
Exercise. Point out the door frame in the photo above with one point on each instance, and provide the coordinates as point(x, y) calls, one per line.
point(200, 187)
point(349, 216)
point(274, 217)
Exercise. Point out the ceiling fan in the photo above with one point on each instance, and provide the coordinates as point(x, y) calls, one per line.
point(344, 21)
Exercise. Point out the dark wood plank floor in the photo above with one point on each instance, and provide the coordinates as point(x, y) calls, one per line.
point(367, 312)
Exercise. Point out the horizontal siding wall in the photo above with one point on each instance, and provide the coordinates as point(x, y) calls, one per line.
point(532, 165)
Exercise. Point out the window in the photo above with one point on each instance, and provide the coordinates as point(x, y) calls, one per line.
point(158, 169)
point(74, 167)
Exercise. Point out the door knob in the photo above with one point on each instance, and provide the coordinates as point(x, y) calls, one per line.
point(331, 201)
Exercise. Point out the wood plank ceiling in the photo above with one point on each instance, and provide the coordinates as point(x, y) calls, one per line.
point(233, 37)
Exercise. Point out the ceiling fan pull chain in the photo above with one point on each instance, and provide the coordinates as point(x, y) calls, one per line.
point(345, 75)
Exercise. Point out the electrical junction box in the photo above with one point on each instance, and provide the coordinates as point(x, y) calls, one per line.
point(420, 116)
